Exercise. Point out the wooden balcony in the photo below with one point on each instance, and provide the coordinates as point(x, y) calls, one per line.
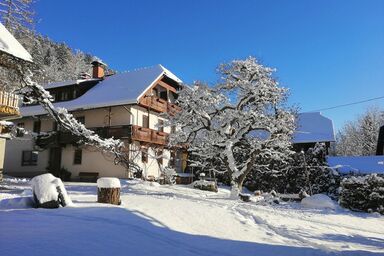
point(154, 103)
point(8, 105)
point(57, 139)
point(159, 105)
point(148, 135)
point(131, 132)
point(173, 108)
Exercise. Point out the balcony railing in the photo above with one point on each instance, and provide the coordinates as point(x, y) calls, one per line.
point(159, 105)
point(131, 132)
point(8, 104)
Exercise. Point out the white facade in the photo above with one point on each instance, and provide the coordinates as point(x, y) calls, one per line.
point(92, 159)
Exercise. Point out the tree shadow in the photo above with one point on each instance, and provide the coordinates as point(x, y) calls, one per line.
point(118, 231)
point(356, 239)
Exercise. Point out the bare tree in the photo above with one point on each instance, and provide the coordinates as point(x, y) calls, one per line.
point(236, 122)
point(359, 137)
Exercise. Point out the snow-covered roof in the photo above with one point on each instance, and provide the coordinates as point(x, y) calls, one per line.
point(313, 127)
point(10, 45)
point(68, 82)
point(119, 89)
point(358, 164)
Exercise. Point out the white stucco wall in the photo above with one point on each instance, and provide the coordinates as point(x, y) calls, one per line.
point(92, 160)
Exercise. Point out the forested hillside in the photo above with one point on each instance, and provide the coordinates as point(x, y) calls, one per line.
point(53, 61)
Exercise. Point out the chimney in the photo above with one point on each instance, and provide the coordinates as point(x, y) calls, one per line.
point(98, 69)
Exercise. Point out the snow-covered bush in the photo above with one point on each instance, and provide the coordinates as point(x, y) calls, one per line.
point(49, 191)
point(318, 201)
point(306, 171)
point(363, 193)
point(205, 185)
point(169, 175)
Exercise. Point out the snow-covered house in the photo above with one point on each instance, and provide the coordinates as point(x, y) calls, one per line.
point(126, 106)
point(357, 164)
point(11, 53)
point(312, 128)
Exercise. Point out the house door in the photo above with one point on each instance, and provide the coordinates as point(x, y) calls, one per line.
point(54, 164)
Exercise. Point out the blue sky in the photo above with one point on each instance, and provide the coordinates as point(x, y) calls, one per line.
point(327, 52)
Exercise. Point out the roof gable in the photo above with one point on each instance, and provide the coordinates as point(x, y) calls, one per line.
point(119, 89)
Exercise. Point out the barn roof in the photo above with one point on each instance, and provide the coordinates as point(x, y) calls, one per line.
point(357, 164)
point(313, 127)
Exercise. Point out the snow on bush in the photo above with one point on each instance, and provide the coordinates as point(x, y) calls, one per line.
point(107, 182)
point(49, 191)
point(169, 175)
point(364, 193)
point(305, 171)
point(205, 185)
point(318, 201)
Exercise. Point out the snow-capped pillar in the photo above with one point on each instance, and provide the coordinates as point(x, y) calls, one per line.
point(108, 191)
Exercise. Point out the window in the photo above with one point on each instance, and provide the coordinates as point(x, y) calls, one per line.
point(80, 119)
point(172, 159)
point(144, 155)
point(20, 132)
point(155, 92)
point(53, 96)
point(54, 126)
point(160, 125)
point(164, 95)
point(37, 126)
point(145, 121)
point(78, 156)
point(29, 158)
point(159, 156)
point(64, 96)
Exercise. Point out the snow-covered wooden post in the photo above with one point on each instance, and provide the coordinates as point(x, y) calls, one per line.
point(108, 190)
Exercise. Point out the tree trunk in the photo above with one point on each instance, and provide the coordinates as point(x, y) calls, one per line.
point(108, 195)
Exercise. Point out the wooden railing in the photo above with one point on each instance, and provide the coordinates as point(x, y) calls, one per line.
point(132, 132)
point(148, 135)
point(9, 99)
point(8, 104)
point(154, 103)
point(159, 105)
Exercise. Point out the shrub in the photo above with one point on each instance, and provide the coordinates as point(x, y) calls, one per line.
point(205, 185)
point(364, 193)
point(307, 172)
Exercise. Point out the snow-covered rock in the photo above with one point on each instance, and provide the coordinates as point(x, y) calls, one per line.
point(205, 185)
point(108, 182)
point(318, 201)
point(49, 191)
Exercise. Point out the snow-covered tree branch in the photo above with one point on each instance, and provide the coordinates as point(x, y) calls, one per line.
point(236, 122)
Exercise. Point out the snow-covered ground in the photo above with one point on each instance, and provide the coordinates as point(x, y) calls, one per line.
point(179, 220)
